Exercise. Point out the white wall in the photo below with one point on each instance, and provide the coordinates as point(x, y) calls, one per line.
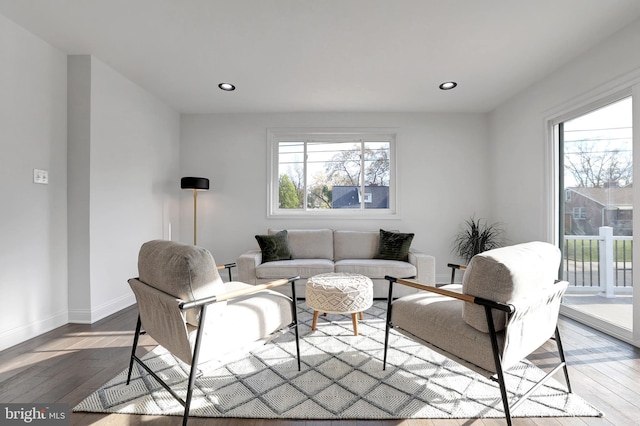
point(78, 188)
point(33, 217)
point(68, 247)
point(126, 159)
point(520, 178)
point(442, 175)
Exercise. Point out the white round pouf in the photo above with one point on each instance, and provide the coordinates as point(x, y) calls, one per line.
point(339, 293)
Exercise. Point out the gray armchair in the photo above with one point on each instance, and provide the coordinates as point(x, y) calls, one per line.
point(185, 307)
point(506, 308)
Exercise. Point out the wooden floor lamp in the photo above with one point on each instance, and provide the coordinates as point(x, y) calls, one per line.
point(196, 184)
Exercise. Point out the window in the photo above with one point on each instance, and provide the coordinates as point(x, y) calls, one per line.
point(579, 213)
point(332, 173)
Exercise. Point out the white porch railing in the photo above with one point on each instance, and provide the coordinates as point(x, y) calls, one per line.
point(600, 263)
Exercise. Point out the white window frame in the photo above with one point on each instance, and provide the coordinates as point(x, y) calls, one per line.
point(276, 135)
point(579, 213)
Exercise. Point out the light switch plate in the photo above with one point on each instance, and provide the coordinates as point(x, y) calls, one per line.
point(40, 176)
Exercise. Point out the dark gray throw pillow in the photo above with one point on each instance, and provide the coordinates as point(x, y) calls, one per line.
point(394, 245)
point(274, 247)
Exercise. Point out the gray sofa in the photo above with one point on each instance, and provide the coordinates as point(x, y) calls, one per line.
point(318, 251)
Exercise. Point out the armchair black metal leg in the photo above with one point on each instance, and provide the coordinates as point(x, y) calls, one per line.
point(562, 359)
point(194, 365)
point(294, 313)
point(498, 363)
point(187, 402)
point(387, 325)
point(133, 349)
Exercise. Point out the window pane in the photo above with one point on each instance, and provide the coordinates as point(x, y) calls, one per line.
point(598, 170)
point(291, 175)
point(377, 171)
point(337, 182)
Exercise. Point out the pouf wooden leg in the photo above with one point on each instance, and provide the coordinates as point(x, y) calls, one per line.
point(361, 315)
point(354, 319)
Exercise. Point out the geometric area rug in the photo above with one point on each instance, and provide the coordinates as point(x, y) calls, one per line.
point(341, 378)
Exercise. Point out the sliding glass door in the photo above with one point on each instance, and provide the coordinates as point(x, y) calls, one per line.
point(596, 215)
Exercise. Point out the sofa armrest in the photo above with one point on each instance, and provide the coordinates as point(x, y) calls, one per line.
point(425, 265)
point(247, 263)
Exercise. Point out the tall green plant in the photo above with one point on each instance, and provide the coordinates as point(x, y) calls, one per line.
point(476, 237)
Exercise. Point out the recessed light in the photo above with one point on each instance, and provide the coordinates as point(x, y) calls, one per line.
point(448, 85)
point(228, 87)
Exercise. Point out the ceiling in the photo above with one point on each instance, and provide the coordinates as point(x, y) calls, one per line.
point(327, 55)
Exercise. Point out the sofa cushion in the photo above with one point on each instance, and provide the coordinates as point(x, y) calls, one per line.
point(309, 243)
point(290, 268)
point(274, 247)
point(355, 244)
point(394, 246)
point(505, 275)
point(376, 268)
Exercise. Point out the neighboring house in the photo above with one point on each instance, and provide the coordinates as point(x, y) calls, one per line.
point(347, 197)
point(587, 209)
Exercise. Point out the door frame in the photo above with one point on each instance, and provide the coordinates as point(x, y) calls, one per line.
point(625, 86)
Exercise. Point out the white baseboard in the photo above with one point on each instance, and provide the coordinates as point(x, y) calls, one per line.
point(89, 316)
point(80, 316)
point(23, 333)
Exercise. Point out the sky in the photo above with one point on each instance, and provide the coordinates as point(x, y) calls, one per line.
point(607, 128)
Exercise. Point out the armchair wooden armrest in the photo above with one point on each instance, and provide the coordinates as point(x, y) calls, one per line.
point(228, 267)
point(444, 292)
point(238, 293)
point(454, 267)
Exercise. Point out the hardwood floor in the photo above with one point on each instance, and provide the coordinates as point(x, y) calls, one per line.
point(67, 364)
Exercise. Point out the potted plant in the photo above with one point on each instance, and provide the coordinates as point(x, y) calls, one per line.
point(476, 237)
